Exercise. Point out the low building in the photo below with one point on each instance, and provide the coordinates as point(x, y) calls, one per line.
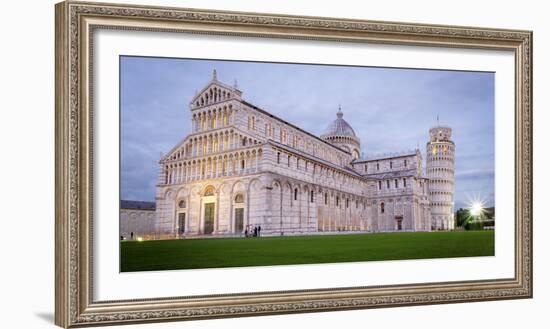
point(137, 220)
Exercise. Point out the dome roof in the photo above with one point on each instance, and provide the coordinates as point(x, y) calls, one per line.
point(339, 127)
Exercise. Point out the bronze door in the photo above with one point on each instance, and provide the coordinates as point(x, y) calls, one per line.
point(208, 218)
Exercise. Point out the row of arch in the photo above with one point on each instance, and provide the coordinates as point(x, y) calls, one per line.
point(213, 95)
point(222, 116)
point(219, 141)
point(440, 170)
point(441, 192)
point(237, 163)
point(441, 180)
point(441, 160)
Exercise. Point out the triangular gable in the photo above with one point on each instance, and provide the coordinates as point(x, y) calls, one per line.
point(215, 92)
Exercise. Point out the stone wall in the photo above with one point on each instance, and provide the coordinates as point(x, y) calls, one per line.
point(140, 222)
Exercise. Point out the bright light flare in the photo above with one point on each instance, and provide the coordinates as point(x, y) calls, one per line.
point(140, 239)
point(476, 208)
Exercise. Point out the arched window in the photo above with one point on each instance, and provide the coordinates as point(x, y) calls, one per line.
point(209, 191)
point(295, 194)
point(278, 157)
point(396, 185)
point(311, 197)
point(326, 198)
point(182, 204)
point(242, 164)
point(404, 182)
point(379, 185)
point(391, 164)
point(239, 198)
point(377, 166)
point(382, 207)
point(337, 201)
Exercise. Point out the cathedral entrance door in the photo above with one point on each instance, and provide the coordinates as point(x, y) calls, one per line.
point(239, 215)
point(208, 218)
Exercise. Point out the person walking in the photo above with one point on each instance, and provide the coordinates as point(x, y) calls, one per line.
point(255, 231)
point(246, 233)
point(259, 230)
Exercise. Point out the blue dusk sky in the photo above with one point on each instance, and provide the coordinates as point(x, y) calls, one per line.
point(391, 110)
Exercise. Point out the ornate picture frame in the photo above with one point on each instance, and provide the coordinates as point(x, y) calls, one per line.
point(75, 24)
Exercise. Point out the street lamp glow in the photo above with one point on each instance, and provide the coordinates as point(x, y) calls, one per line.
point(476, 208)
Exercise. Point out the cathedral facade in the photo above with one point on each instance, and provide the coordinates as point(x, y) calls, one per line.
point(243, 167)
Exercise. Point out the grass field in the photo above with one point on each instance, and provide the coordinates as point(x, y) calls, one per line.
point(233, 252)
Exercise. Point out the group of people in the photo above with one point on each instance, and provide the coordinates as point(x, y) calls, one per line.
point(253, 232)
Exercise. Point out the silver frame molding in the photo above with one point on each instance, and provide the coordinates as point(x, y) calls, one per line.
point(75, 24)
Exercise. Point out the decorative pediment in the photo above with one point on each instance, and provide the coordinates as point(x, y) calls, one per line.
point(215, 92)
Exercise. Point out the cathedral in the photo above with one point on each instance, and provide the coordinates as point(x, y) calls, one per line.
point(243, 167)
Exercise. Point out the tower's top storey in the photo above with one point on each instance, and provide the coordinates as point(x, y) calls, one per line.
point(440, 134)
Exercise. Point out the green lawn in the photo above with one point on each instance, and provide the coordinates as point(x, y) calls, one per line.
point(233, 252)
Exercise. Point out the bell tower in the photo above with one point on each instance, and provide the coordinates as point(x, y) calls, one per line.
point(440, 169)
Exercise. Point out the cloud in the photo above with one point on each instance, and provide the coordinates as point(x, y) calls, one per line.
point(475, 174)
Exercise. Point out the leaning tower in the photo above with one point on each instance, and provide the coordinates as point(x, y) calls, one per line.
point(440, 169)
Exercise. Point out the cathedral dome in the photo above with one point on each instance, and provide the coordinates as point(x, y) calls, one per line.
point(339, 127)
point(340, 134)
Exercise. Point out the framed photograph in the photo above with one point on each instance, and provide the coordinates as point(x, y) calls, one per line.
point(216, 164)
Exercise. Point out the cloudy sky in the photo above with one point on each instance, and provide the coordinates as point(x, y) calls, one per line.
point(390, 110)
